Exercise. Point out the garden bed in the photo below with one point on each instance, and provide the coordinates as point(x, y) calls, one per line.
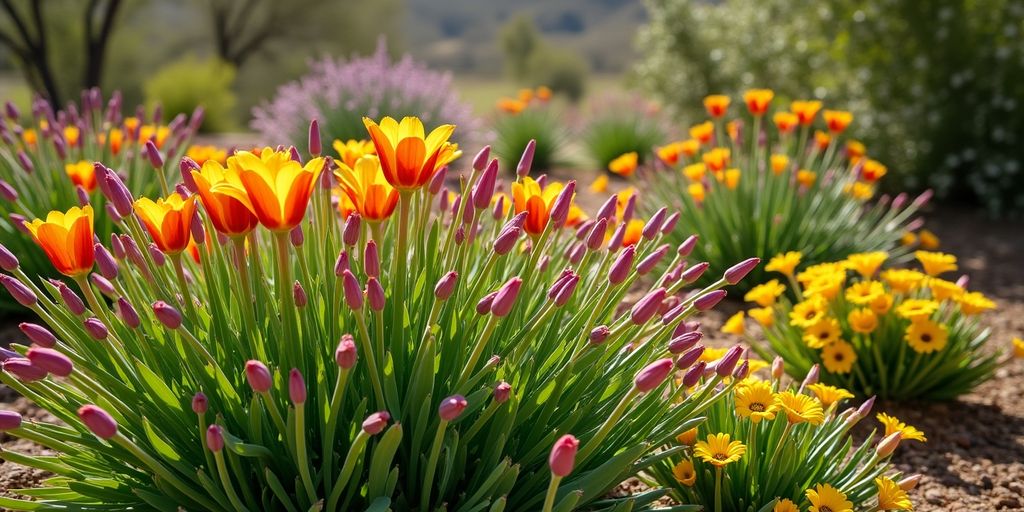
point(974, 457)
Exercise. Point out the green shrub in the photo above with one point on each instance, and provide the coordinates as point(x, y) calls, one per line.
point(183, 85)
point(611, 134)
point(564, 71)
point(514, 131)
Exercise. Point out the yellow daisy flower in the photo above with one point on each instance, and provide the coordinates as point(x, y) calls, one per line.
point(825, 498)
point(765, 294)
point(684, 473)
point(694, 172)
point(913, 309)
point(785, 505)
point(712, 354)
point(800, 408)
point(764, 316)
point(902, 280)
point(718, 451)
point(600, 184)
point(838, 357)
point(784, 263)
point(1018, 348)
point(827, 286)
point(864, 292)
point(926, 336)
point(890, 496)
point(928, 240)
point(822, 333)
point(936, 263)
point(735, 324)
point(829, 395)
point(863, 321)
point(881, 304)
point(867, 263)
point(975, 302)
point(756, 401)
point(808, 312)
point(688, 438)
point(942, 289)
point(893, 425)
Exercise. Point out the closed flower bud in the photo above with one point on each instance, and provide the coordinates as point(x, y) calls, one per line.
point(159, 258)
point(71, 299)
point(200, 403)
point(630, 208)
point(725, 366)
point(694, 374)
point(8, 192)
point(502, 392)
point(18, 290)
point(25, 162)
point(9, 420)
point(483, 306)
point(437, 181)
point(295, 236)
point(693, 273)
point(481, 158)
point(690, 357)
point(506, 240)
point(737, 272)
point(96, 329)
point(23, 369)
point(315, 144)
point(98, 421)
point(653, 226)
point(296, 387)
point(563, 455)
point(345, 355)
point(653, 375)
point(371, 260)
point(103, 285)
point(299, 295)
point(119, 195)
point(452, 407)
point(595, 239)
point(350, 235)
point(607, 209)
point(560, 207)
point(812, 376)
point(620, 268)
point(341, 264)
point(215, 438)
point(505, 298)
point(258, 376)
point(909, 483)
point(105, 262)
point(742, 370)
point(615, 242)
point(186, 166)
point(375, 423)
point(483, 190)
point(526, 161)
point(38, 334)
point(126, 312)
point(565, 292)
point(167, 314)
point(50, 361)
point(778, 368)
point(647, 307)
point(375, 294)
point(923, 199)
point(687, 246)
point(599, 334)
point(670, 223)
point(353, 292)
point(647, 264)
point(446, 286)
point(709, 300)
point(684, 342)
point(8, 261)
point(888, 444)
point(498, 211)
point(865, 408)
point(964, 281)
point(153, 155)
point(18, 221)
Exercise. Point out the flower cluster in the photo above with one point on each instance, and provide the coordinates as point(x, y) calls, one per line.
point(779, 184)
point(239, 345)
point(523, 99)
point(895, 332)
point(50, 163)
point(783, 448)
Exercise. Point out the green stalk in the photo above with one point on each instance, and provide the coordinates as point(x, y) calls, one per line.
point(606, 427)
point(718, 489)
point(428, 477)
point(284, 279)
point(186, 295)
point(549, 499)
point(400, 260)
point(481, 343)
point(346, 471)
point(332, 423)
point(371, 359)
point(161, 471)
point(301, 457)
point(225, 480)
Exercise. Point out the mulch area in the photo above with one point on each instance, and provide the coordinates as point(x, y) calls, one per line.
point(974, 457)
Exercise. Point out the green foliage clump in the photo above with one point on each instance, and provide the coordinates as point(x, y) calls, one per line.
point(535, 62)
point(932, 86)
point(182, 85)
point(514, 131)
point(613, 132)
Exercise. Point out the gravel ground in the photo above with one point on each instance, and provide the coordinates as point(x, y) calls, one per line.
point(974, 458)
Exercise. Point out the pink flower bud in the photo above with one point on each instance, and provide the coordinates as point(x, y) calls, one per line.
point(899, 201)
point(158, 256)
point(506, 297)
point(709, 300)
point(18, 290)
point(315, 144)
point(812, 376)
point(25, 162)
point(506, 240)
point(737, 272)
point(653, 226)
point(526, 161)
point(460, 235)
point(215, 438)
point(120, 197)
point(167, 315)
point(563, 202)
point(888, 444)
point(615, 242)
point(437, 181)
point(563, 455)
point(446, 286)
point(915, 224)
point(607, 209)
point(620, 268)
point(483, 190)
point(186, 166)
point(653, 375)
point(353, 292)
point(105, 262)
point(258, 376)
point(687, 246)
point(98, 421)
point(742, 370)
point(126, 312)
point(350, 235)
point(630, 208)
point(923, 199)
point(18, 221)
point(71, 300)
point(371, 260)
point(296, 387)
point(50, 361)
point(693, 273)
point(727, 363)
point(502, 392)
point(23, 369)
point(481, 158)
point(95, 328)
point(647, 307)
point(345, 355)
point(9, 420)
point(374, 424)
point(341, 264)
point(909, 483)
point(375, 294)
point(296, 236)
point(964, 281)
point(670, 223)
point(200, 403)
point(778, 368)
point(452, 407)
point(8, 261)
point(647, 264)
point(599, 334)
point(684, 342)
point(865, 408)
point(38, 334)
point(694, 374)
point(8, 192)
point(299, 295)
point(595, 239)
point(498, 211)
point(154, 156)
point(690, 357)
point(103, 285)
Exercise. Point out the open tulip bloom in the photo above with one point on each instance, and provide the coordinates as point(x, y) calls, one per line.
point(770, 447)
point(51, 164)
point(767, 183)
point(237, 345)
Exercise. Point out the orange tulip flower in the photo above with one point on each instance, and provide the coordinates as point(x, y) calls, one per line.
point(511, 105)
point(805, 111)
point(366, 189)
point(690, 147)
point(67, 239)
point(806, 178)
point(822, 140)
point(352, 150)
point(131, 125)
point(634, 231)
point(702, 132)
point(525, 95)
point(779, 163)
point(716, 105)
point(408, 157)
point(116, 140)
point(716, 159)
point(624, 165)
point(277, 188)
point(785, 121)
point(82, 173)
point(757, 100)
point(837, 120)
point(157, 134)
point(873, 170)
point(72, 135)
point(527, 196)
point(543, 93)
point(29, 137)
point(200, 154)
point(669, 153)
point(224, 198)
point(168, 221)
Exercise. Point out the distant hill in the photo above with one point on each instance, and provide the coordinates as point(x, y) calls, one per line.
point(462, 34)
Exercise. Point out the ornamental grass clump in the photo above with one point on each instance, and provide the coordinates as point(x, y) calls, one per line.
point(898, 333)
point(51, 164)
point(529, 126)
point(236, 345)
point(760, 185)
point(774, 447)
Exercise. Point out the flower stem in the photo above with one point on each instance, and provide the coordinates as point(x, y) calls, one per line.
point(718, 489)
point(428, 477)
point(332, 422)
point(301, 457)
point(606, 427)
point(549, 500)
point(225, 481)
